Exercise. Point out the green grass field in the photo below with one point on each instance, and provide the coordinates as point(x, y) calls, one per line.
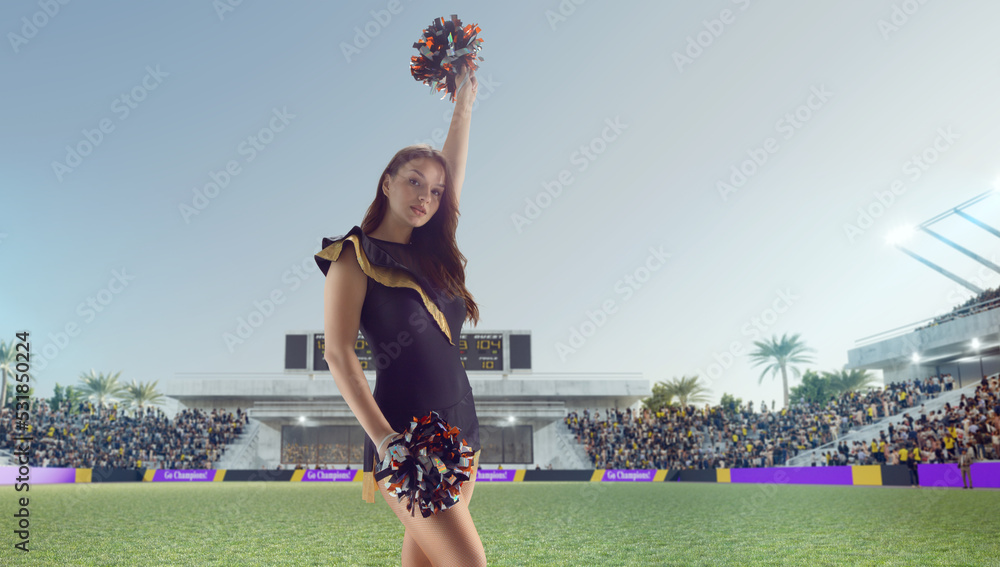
point(542, 523)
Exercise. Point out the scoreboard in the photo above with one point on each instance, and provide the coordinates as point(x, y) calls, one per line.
point(481, 351)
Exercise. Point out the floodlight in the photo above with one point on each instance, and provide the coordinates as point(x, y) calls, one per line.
point(899, 235)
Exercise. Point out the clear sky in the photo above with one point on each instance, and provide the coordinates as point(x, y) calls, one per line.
point(606, 148)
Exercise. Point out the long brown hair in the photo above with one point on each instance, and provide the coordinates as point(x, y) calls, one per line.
point(437, 250)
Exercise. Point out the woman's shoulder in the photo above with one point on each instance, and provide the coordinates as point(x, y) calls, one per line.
point(333, 246)
point(379, 259)
point(354, 232)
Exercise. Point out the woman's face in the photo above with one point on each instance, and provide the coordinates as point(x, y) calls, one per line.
point(415, 192)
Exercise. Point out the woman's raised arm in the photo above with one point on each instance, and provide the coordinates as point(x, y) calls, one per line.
point(456, 145)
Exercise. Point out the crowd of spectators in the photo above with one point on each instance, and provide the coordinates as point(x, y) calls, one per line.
point(109, 436)
point(985, 301)
point(935, 437)
point(736, 437)
point(292, 452)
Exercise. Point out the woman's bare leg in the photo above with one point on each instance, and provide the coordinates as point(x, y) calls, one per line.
point(412, 555)
point(446, 538)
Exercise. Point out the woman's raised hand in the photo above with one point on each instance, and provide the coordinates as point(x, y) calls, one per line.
point(468, 87)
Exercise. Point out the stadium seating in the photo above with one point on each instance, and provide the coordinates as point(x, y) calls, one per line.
point(736, 437)
point(110, 436)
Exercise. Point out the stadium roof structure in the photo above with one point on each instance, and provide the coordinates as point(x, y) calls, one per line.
point(966, 340)
point(966, 346)
point(899, 236)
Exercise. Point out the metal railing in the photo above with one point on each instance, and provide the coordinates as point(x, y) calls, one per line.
point(923, 323)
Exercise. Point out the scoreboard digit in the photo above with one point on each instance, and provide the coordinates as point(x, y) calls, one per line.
point(481, 351)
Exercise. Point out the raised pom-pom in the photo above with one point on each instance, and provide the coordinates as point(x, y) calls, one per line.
point(426, 465)
point(445, 49)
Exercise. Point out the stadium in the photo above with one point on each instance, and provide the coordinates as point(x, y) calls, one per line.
point(240, 449)
point(572, 440)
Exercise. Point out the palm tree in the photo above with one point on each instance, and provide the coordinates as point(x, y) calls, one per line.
point(688, 390)
point(101, 387)
point(778, 354)
point(74, 396)
point(684, 389)
point(142, 393)
point(7, 355)
point(844, 381)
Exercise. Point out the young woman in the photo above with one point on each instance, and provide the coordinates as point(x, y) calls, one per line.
point(400, 279)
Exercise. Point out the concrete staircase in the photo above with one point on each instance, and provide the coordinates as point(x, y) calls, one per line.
point(242, 452)
point(561, 443)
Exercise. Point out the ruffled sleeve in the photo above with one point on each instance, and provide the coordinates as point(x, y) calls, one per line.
point(377, 264)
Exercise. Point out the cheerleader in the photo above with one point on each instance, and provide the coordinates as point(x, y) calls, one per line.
point(400, 279)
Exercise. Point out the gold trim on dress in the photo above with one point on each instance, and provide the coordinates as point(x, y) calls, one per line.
point(368, 487)
point(389, 277)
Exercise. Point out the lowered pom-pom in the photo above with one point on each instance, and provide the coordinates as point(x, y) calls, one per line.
point(445, 49)
point(427, 465)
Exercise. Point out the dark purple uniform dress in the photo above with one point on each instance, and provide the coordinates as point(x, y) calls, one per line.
point(413, 330)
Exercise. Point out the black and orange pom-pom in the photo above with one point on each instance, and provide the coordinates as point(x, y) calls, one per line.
point(427, 465)
point(446, 48)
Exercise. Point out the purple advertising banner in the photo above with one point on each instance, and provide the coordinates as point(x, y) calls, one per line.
point(39, 475)
point(329, 476)
point(184, 475)
point(629, 475)
point(984, 475)
point(494, 475)
point(793, 475)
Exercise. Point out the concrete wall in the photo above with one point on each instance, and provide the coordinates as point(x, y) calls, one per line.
point(964, 372)
point(949, 339)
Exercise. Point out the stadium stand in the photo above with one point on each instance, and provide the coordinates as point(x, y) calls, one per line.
point(970, 418)
point(716, 437)
point(114, 437)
